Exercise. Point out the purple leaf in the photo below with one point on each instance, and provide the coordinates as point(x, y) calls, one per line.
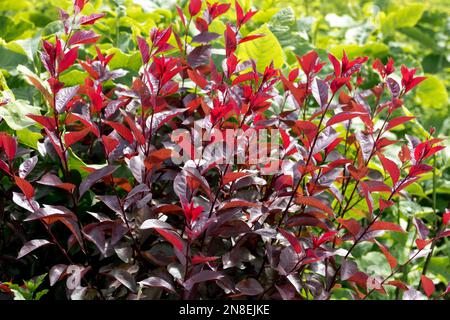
point(94, 177)
point(366, 142)
point(64, 96)
point(56, 272)
point(199, 56)
point(249, 287)
point(206, 275)
point(155, 224)
point(157, 282)
point(144, 49)
point(422, 229)
point(22, 201)
point(320, 91)
point(125, 278)
point(205, 37)
point(393, 86)
point(348, 269)
point(83, 37)
point(27, 166)
point(32, 245)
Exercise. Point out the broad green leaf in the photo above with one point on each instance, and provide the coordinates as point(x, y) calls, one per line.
point(432, 93)
point(406, 16)
point(11, 30)
point(30, 46)
point(374, 49)
point(263, 50)
point(124, 61)
point(75, 163)
point(416, 189)
point(14, 113)
point(73, 78)
point(10, 59)
point(28, 137)
point(440, 266)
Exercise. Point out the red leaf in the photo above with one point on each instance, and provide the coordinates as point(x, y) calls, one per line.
point(239, 13)
point(351, 225)
point(197, 78)
point(144, 49)
point(73, 117)
point(79, 5)
point(446, 217)
point(194, 7)
point(243, 77)
point(110, 143)
point(337, 83)
point(83, 37)
point(427, 285)
point(157, 157)
point(295, 243)
point(419, 169)
point(136, 132)
point(91, 19)
point(25, 186)
point(75, 136)
point(4, 167)
point(201, 259)
point(251, 37)
point(386, 226)
point(314, 202)
point(385, 204)
point(398, 121)
point(47, 122)
point(180, 13)
point(422, 243)
point(343, 116)
point(327, 236)
point(233, 176)
point(9, 144)
point(122, 130)
point(308, 62)
point(336, 65)
point(390, 167)
point(238, 203)
point(398, 284)
point(285, 138)
point(172, 238)
point(392, 261)
point(230, 41)
point(68, 60)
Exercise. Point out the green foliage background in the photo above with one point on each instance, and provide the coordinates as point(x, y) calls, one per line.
point(413, 33)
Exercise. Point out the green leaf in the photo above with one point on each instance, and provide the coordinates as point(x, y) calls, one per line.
point(11, 30)
point(374, 49)
point(14, 113)
point(75, 163)
point(10, 59)
point(440, 266)
point(263, 50)
point(28, 137)
point(432, 93)
point(30, 46)
point(406, 16)
point(73, 78)
point(124, 61)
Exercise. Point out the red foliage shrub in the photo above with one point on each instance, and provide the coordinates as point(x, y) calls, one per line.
point(139, 222)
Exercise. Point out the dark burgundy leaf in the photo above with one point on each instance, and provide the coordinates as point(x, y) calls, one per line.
point(31, 246)
point(95, 176)
point(83, 37)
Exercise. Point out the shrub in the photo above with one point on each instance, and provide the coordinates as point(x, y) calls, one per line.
point(209, 177)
